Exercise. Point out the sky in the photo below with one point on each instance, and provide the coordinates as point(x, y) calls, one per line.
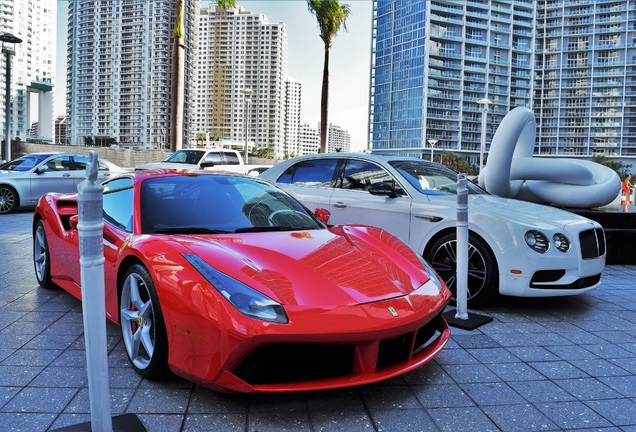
point(349, 61)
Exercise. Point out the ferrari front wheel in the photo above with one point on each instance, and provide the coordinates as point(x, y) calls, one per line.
point(142, 326)
point(42, 257)
point(482, 283)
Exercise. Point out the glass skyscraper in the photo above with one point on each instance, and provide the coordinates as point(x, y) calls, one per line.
point(585, 88)
point(570, 61)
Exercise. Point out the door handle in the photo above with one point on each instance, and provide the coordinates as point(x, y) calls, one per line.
point(66, 175)
point(340, 204)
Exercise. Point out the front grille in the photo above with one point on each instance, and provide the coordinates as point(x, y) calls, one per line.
point(592, 243)
point(282, 363)
point(396, 350)
point(543, 276)
point(285, 363)
point(577, 284)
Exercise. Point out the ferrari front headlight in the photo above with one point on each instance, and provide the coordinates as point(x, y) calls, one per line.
point(432, 274)
point(244, 298)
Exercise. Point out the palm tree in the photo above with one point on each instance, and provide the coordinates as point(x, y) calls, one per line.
point(178, 89)
point(226, 4)
point(331, 15)
point(178, 69)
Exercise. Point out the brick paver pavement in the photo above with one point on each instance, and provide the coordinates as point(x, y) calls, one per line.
point(541, 364)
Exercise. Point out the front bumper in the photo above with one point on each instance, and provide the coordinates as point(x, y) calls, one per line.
point(557, 274)
point(308, 365)
point(326, 347)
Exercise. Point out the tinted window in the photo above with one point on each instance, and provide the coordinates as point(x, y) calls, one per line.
point(80, 163)
point(218, 204)
point(118, 203)
point(62, 163)
point(24, 163)
point(186, 156)
point(360, 175)
point(231, 158)
point(431, 178)
point(317, 172)
point(214, 157)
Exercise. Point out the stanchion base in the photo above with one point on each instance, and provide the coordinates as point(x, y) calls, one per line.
point(474, 320)
point(122, 423)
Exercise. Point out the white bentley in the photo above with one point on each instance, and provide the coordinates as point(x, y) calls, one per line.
point(516, 248)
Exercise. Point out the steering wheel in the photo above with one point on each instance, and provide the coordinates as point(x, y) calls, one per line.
point(286, 212)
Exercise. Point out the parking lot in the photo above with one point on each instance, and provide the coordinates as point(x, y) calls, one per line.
point(541, 364)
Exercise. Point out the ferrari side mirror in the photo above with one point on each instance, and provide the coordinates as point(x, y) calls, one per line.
point(322, 214)
point(73, 221)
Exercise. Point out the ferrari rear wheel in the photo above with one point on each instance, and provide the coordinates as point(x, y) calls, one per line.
point(482, 280)
point(8, 199)
point(41, 257)
point(142, 326)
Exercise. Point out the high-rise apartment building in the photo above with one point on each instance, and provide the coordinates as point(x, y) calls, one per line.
point(585, 88)
point(61, 137)
point(291, 120)
point(338, 139)
point(570, 61)
point(309, 140)
point(241, 74)
point(32, 64)
point(119, 80)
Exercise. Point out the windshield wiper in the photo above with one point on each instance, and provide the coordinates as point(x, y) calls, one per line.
point(270, 228)
point(189, 230)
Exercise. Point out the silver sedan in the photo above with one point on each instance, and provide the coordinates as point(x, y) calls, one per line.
point(24, 180)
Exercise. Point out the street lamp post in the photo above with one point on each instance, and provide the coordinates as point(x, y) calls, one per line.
point(484, 113)
point(8, 38)
point(246, 109)
point(432, 143)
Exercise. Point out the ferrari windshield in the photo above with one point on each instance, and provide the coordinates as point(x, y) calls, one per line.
point(24, 163)
point(215, 204)
point(431, 178)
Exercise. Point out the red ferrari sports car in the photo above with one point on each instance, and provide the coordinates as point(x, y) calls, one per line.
point(231, 283)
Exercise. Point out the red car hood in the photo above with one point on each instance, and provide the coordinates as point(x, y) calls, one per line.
point(344, 265)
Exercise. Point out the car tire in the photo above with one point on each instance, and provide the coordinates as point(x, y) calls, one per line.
point(42, 257)
point(142, 325)
point(8, 199)
point(483, 284)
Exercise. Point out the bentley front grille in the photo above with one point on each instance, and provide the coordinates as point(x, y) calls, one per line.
point(592, 243)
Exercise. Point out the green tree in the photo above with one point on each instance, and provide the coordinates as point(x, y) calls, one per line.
point(226, 4)
point(200, 137)
point(264, 152)
point(621, 169)
point(331, 16)
point(458, 164)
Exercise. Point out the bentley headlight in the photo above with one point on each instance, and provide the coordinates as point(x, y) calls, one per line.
point(432, 274)
point(561, 242)
point(537, 241)
point(245, 299)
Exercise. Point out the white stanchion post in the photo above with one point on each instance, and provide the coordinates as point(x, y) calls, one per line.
point(90, 226)
point(462, 248)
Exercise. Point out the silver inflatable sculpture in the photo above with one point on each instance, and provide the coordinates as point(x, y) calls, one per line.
point(512, 172)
